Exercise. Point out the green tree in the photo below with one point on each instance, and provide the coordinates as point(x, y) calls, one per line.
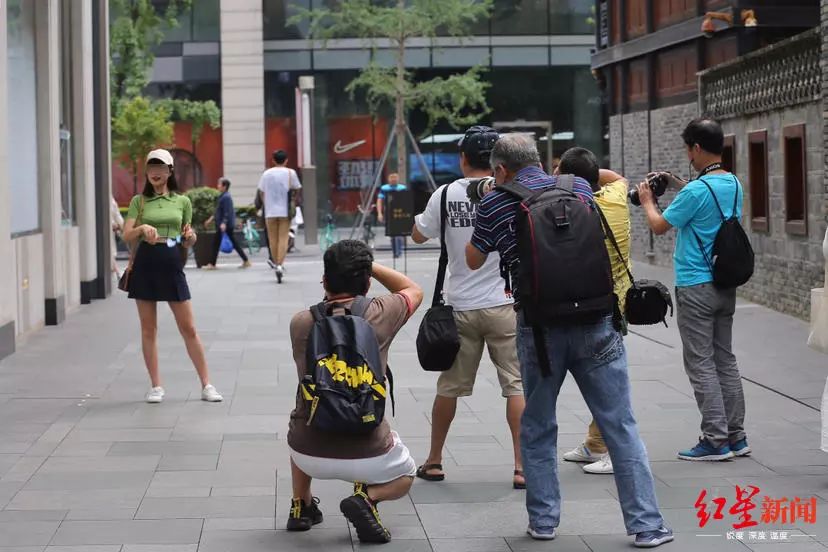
point(140, 126)
point(459, 99)
point(137, 27)
point(198, 114)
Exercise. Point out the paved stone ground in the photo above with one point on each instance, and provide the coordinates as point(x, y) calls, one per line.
point(86, 466)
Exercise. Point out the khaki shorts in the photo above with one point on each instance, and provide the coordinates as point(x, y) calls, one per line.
point(494, 327)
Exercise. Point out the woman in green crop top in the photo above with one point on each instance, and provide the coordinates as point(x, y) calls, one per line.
point(158, 225)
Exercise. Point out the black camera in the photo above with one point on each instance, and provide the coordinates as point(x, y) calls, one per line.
point(658, 184)
point(479, 187)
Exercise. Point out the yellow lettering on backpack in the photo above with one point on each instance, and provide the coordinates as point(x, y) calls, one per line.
point(352, 376)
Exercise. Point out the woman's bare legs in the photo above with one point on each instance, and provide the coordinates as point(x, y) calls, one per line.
point(148, 314)
point(183, 312)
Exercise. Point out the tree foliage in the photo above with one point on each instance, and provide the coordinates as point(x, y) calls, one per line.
point(137, 28)
point(199, 114)
point(139, 126)
point(459, 99)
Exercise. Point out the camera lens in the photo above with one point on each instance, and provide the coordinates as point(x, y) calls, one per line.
point(633, 197)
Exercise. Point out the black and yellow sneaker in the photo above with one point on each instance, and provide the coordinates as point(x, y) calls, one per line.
point(362, 513)
point(303, 516)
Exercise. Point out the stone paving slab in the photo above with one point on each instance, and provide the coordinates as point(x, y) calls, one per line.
point(86, 466)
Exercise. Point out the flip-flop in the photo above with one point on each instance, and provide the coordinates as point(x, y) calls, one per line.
point(517, 485)
point(422, 472)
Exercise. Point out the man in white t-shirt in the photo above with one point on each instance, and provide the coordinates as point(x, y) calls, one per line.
point(482, 310)
point(275, 187)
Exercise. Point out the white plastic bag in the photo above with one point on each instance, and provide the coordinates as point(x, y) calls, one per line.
point(298, 220)
point(818, 339)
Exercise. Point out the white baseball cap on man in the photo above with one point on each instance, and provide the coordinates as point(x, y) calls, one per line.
point(162, 155)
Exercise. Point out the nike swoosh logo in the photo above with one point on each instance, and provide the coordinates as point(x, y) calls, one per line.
point(339, 148)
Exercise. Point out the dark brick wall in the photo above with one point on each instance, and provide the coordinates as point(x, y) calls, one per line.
point(787, 266)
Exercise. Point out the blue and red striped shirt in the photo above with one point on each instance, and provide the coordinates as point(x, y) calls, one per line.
point(494, 231)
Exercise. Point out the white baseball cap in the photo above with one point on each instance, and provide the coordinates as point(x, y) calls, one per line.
point(162, 155)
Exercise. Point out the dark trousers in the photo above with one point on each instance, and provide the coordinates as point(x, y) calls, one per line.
point(236, 246)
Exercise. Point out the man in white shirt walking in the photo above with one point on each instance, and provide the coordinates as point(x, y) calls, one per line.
point(275, 187)
point(483, 312)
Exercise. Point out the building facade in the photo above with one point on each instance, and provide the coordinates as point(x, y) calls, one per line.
point(248, 56)
point(664, 63)
point(54, 144)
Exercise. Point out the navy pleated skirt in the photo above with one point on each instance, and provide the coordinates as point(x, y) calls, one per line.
point(158, 275)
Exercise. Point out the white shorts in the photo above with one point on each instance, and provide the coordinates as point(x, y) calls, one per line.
point(392, 465)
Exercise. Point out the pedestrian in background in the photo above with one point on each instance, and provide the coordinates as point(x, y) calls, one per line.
point(393, 185)
point(225, 220)
point(275, 187)
point(158, 224)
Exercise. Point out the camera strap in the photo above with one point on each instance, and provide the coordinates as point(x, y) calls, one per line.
point(709, 169)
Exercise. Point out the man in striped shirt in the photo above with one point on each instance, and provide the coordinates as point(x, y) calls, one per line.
point(594, 353)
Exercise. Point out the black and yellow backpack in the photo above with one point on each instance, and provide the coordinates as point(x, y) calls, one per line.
point(344, 384)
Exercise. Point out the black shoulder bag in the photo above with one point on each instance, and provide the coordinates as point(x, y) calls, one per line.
point(438, 341)
point(647, 301)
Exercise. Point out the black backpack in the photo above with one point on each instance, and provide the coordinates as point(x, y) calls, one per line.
point(343, 387)
point(733, 258)
point(565, 274)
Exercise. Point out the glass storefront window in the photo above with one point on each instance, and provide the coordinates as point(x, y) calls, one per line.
point(67, 188)
point(206, 21)
point(22, 116)
point(571, 17)
point(276, 14)
point(520, 17)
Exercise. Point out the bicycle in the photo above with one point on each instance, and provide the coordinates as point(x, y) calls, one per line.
point(329, 234)
point(252, 238)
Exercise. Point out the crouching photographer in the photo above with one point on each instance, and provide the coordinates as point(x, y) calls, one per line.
point(482, 312)
point(712, 257)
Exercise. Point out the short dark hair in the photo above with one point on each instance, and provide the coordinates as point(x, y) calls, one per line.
point(582, 163)
point(172, 183)
point(225, 182)
point(280, 156)
point(348, 267)
point(705, 132)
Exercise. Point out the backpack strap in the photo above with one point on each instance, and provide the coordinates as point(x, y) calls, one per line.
point(390, 377)
point(716, 201)
point(319, 311)
point(517, 190)
point(566, 182)
point(360, 306)
point(611, 237)
point(437, 299)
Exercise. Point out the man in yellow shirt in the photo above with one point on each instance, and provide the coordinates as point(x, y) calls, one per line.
point(610, 192)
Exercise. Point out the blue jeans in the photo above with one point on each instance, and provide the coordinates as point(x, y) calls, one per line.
point(397, 245)
point(596, 357)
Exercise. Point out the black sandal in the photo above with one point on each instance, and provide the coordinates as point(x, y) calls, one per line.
point(422, 472)
point(517, 485)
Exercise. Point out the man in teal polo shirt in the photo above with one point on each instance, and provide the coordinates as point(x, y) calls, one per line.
point(705, 312)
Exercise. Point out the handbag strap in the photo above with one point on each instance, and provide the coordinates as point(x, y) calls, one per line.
point(140, 216)
point(437, 300)
point(611, 237)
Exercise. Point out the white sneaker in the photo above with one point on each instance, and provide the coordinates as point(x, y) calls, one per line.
point(155, 395)
point(602, 466)
point(582, 454)
point(210, 394)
